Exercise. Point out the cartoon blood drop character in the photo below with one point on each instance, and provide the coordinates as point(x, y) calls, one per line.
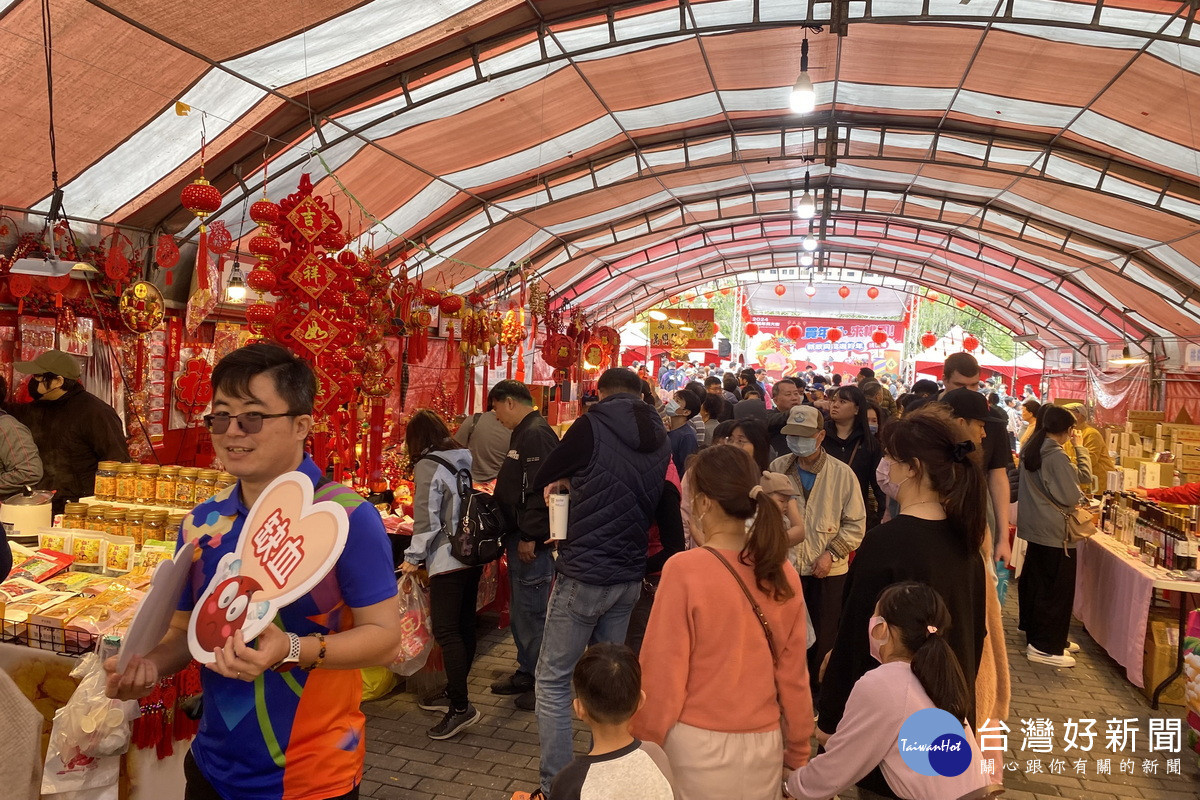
point(224, 611)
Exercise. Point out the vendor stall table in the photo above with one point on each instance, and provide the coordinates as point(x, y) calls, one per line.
point(1112, 600)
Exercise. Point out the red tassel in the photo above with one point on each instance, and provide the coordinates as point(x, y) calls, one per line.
point(451, 346)
point(202, 259)
point(521, 365)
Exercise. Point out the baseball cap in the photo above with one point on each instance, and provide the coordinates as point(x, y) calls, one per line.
point(805, 421)
point(967, 404)
point(776, 482)
point(55, 361)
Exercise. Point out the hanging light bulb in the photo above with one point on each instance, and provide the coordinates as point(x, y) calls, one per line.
point(804, 97)
point(658, 315)
point(235, 289)
point(810, 290)
point(809, 243)
point(806, 206)
point(806, 259)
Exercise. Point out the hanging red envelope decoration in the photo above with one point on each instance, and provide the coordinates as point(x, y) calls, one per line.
point(559, 351)
point(19, 286)
point(220, 240)
point(166, 255)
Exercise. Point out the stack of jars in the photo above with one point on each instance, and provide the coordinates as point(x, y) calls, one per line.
point(163, 487)
point(140, 524)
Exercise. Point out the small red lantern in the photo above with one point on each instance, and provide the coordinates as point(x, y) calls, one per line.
point(716, 329)
point(960, 303)
point(751, 329)
point(201, 198)
point(793, 332)
point(451, 305)
point(708, 295)
point(879, 337)
point(332, 240)
point(928, 339)
point(347, 258)
point(356, 353)
point(834, 334)
point(261, 280)
point(970, 343)
point(872, 293)
point(745, 314)
point(359, 298)
point(361, 269)
point(932, 296)
point(260, 313)
point(725, 292)
point(780, 289)
point(263, 246)
point(264, 212)
point(844, 292)
point(431, 297)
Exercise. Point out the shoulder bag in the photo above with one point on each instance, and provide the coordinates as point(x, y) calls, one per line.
point(1077, 521)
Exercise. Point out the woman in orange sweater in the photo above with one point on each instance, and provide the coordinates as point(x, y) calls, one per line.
point(718, 680)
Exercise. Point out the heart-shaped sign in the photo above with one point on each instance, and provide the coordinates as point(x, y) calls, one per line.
point(153, 615)
point(287, 546)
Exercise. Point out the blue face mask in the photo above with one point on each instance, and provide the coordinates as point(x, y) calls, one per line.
point(802, 446)
point(672, 407)
point(874, 428)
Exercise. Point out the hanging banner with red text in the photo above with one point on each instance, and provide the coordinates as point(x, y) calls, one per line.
point(700, 320)
point(782, 342)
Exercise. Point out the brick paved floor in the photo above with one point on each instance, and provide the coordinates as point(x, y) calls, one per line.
point(500, 754)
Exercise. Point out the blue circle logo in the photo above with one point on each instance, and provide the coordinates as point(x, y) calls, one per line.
point(931, 743)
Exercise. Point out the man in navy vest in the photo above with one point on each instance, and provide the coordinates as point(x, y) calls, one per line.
point(614, 462)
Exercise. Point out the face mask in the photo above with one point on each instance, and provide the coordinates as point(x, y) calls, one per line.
point(876, 644)
point(874, 428)
point(672, 408)
point(883, 476)
point(802, 446)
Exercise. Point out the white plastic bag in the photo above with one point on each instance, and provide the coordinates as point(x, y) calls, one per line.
point(417, 627)
point(90, 733)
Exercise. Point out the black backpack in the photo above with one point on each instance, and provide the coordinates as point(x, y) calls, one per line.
point(475, 536)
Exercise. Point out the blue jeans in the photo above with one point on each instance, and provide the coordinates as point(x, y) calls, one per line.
point(529, 589)
point(579, 614)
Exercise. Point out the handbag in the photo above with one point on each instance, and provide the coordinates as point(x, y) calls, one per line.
point(1078, 521)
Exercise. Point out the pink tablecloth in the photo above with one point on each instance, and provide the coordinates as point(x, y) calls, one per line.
point(1112, 600)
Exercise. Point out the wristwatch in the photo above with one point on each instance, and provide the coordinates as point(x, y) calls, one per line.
point(293, 656)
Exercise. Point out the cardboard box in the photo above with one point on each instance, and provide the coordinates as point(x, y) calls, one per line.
point(1189, 464)
point(1153, 475)
point(1159, 654)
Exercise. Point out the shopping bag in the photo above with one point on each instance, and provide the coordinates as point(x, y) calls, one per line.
point(377, 681)
point(416, 627)
point(1191, 668)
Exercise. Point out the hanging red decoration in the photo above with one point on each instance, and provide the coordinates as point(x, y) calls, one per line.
point(879, 337)
point(960, 303)
point(725, 291)
point(794, 332)
point(260, 313)
point(970, 343)
point(261, 280)
point(872, 293)
point(451, 305)
point(932, 296)
point(193, 387)
point(708, 295)
point(745, 314)
point(751, 329)
point(593, 355)
point(141, 307)
point(264, 212)
point(431, 297)
point(780, 290)
point(834, 334)
point(844, 292)
point(166, 252)
point(716, 329)
point(559, 351)
point(928, 339)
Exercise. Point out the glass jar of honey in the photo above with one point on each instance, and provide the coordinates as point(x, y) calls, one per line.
point(225, 479)
point(147, 478)
point(174, 522)
point(154, 526)
point(74, 515)
point(106, 481)
point(185, 488)
point(114, 521)
point(126, 483)
point(133, 525)
point(95, 518)
point(206, 484)
point(164, 487)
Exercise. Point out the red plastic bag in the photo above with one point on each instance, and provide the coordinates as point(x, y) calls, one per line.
point(417, 627)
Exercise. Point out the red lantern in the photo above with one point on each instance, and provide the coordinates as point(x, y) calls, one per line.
point(844, 292)
point(201, 198)
point(879, 337)
point(932, 296)
point(725, 292)
point(960, 303)
point(793, 332)
point(708, 295)
point(359, 298)
point(834, 334)
point(928, 339)
point(780, 289)
point(264, 212)
point(970, 343)
point(431, 297)
point(872, 293)
point(332, 240)
point(751, 329)
point(451, 305)
point(347, 258)
point(261, 280)
point(263, 246)
point(260, 313)
point(361, 269)
point(745, 314)
point(356, 353)
point(716, 329)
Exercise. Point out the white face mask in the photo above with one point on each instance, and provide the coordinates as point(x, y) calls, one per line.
point(672, 407)
point(802, 446)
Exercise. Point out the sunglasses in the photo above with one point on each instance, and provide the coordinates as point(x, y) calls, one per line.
point(248, 421)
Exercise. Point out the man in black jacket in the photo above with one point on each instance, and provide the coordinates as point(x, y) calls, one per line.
point(74, 430)
point(530, 561)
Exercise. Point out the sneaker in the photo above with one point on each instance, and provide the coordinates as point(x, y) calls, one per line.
point(526, 701)
point(1038, 657)
point(536, 794)
point(1072, 647)
point(438, 701)
point(454, 722)
point(517, 683)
